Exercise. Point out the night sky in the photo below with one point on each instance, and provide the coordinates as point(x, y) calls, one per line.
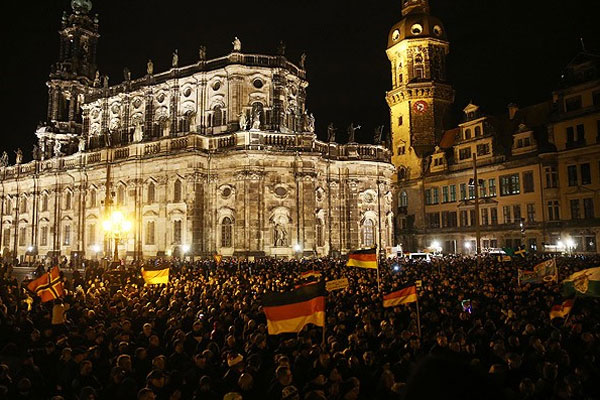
point(500, 51)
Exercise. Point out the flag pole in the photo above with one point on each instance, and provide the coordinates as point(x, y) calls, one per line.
point(418, 318)
point(378, 281)
point(569, 316)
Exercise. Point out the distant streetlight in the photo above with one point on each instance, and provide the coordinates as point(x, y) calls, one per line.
point(185, 248)
point(117, 226)
point(297, 248)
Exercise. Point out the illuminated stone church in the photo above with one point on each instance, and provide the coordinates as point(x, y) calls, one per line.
point(220, 156)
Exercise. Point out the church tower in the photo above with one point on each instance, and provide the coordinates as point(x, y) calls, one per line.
point(420, 97)
point(70, 78)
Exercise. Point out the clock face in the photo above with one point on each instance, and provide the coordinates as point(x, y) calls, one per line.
point(420, 106)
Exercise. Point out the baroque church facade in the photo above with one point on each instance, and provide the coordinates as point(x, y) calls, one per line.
point(217, 157)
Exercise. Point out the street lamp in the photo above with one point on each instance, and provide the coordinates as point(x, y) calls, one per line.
point(117, 226)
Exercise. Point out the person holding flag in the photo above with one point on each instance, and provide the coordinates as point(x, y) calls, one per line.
point(405, 295)
point(48, 286)
point(584, 283)
point(289, 312)
point(156, 275)
point(364, 258)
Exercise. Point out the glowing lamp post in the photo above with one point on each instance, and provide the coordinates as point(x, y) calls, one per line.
point(117, 226)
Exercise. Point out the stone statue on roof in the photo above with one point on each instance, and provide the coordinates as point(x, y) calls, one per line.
point(378, 134)
point(311, 123)
point(97, 79)
point(175, 59)
point(302, 62)
point(19, 158)
point(202, 53)
point(352, 132)
point(4, 160)
point(331, 133)
point(237, 44)
point(150, 67)
point(35, 153)
point(281, 48)
point(126, 74)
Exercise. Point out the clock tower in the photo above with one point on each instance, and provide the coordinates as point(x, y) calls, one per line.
point(420, 97)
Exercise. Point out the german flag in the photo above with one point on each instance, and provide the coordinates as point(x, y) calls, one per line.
point(48, 286)
point(561, 310)
point(155, 277)
point(291, 311)
point(405, 295)
point(310, 274)
point(366, 258)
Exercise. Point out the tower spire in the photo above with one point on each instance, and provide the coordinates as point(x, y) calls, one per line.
point(415, 7)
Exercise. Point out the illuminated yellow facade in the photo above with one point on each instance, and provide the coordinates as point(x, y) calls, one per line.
point(538, 167)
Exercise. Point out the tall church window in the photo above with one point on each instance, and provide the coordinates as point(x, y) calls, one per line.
point(151, 193)
point(226, 232)
point(121, 195)
point(23, 205)
point(368, 233)
point(92, 233)
point(67, 235)
point(217, 116)
point(150, 232)
point(177, 191)
point(44, 202)
point(319, 229)
point(177, 231)
point(68, 200)
point(44, 236)
point(403, 199)
point(9, 206)
point(6, 237)
point(22, 236)
point(93, 198)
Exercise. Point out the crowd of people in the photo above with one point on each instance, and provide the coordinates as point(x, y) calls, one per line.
point(204, 335)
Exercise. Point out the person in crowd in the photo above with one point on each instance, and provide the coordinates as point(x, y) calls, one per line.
point(204, 335)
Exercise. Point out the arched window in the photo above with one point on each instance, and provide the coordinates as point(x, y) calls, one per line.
point(151, 193)
point(68, 200)
point(150, 232)
point(121, 195)
point(402, 173)
point(467, 134)
point(93, 198)
point(368, 233)
point(177, 232)
point(9, 206)
point(217, 116)
point(477, 131)
point(403, 199)
point(226, 232)
point(45, 202)
point(177, 191)
point(319, 229)
point(23, 205)
point(419, 72)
